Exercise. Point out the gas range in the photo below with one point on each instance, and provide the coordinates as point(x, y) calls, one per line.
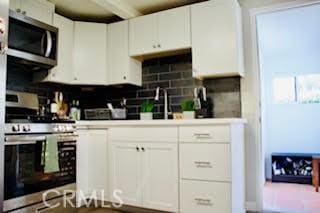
point(22, 117)
point(39, 128)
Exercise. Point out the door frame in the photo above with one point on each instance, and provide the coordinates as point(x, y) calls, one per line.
point(260, 128)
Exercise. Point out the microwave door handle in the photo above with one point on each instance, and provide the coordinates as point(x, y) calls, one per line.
point(49, 44)
point(43, 49)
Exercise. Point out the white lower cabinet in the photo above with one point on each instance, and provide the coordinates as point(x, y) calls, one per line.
point(125, 173)
point(212, 169)
point(92, 164)
point(160, 176)
point(185, 169)
point(144, 174)
point(205, 197)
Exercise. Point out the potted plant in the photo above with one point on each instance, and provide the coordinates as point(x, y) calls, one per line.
point(187, 107)
point(146, 110)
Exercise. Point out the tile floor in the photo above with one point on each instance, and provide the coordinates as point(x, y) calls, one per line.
point(291, 198)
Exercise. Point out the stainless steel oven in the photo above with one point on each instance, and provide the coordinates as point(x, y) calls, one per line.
point(32, 42)
point(25, 177)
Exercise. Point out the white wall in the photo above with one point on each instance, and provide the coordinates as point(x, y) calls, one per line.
point(250, 101)
point(289, 45)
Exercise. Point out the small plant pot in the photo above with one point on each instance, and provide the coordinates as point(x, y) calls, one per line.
point(188, 115)
point(146, 116)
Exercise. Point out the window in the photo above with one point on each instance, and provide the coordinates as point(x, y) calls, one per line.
point(308, 88)
point(284, 90)
point(298, 89)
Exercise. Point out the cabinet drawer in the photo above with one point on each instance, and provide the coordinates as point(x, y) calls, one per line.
point(205, 162)
point(144, 134)
point(205, 197)
point(213, 134)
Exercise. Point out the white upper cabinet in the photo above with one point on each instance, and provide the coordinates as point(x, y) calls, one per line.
point(160, 32)
point(143, 35)
point(174, 29)
point(63, 72)
point(40, 10)
point(90, 53)
point(122, 68)
point(216, 39)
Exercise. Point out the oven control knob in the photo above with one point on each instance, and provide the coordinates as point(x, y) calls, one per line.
point(62, 128)
point(15, 128)
point(26, 128)
point(56, 128)
point(69, 128)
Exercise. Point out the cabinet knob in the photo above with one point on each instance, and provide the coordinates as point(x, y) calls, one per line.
point(142, 149)
point(159, 45)
point(124, 77)
point(137, 148)
point(24, 12)
point(53, 75)
point(75, 79)
point(154, 46)
point(18, 10)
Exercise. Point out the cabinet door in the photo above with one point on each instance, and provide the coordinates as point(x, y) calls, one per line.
point(92, 164)
point(82, 166)
point(122, 68)
point(125, 173)
point(90, 43)
point(143, 35)
point(38, 9)
point(160, 176)
point(98, 164)
point(63, 72)
point(216, 39)
point(118, 57)
point(174, 29)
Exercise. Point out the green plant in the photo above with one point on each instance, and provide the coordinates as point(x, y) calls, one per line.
point(187, 105)
point(147, 106)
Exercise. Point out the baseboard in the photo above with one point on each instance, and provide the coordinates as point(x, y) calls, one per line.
point(252, 206)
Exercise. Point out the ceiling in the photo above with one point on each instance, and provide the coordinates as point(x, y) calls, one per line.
point(87, 10)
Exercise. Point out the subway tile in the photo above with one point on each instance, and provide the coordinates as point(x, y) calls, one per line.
point(150, 78)
point(179, 99)
point(187, 74)
point(146, 93)
point(162, 84)
point(159, 69)
point(181, 67)
point(170, 76)
point(174, 91)
point(182, 83)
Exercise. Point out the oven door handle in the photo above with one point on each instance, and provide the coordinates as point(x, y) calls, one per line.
point(24, 139)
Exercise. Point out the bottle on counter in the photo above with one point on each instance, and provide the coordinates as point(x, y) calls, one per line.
point(54, 106)
point(78, 117)
point(73, 111)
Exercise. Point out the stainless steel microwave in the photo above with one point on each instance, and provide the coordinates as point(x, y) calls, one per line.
point(32, 42)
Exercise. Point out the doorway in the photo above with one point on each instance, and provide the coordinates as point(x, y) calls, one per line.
point(289, 62)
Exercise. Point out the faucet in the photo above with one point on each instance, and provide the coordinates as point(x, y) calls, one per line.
point(157, 97)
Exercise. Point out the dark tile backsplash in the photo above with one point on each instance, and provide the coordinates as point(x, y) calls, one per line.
point(19, 79)
point(173, 73)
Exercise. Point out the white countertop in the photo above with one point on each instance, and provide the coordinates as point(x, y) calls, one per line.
point(114, 123)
